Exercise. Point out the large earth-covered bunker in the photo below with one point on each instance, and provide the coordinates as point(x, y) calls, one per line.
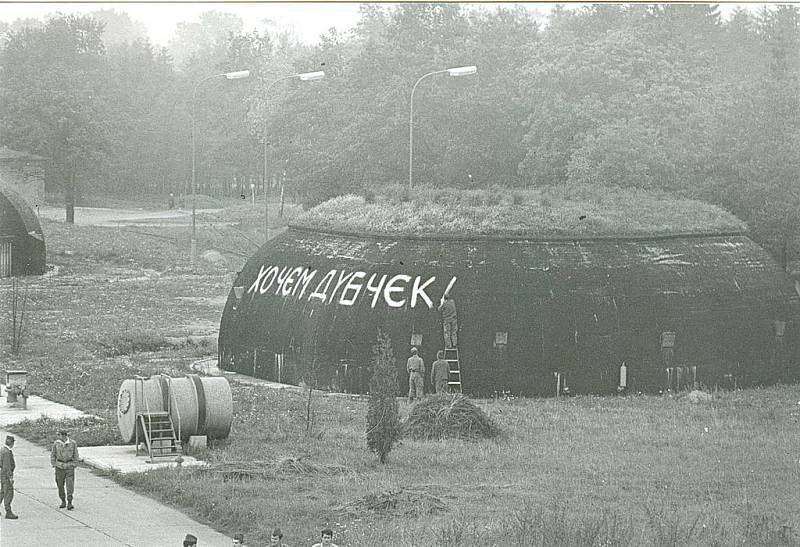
point(677, 310)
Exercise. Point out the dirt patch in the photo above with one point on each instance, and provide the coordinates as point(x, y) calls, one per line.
point(405, 502)
point(213, 300)
point(270, 469)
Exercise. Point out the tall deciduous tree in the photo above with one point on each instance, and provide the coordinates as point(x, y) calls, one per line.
point(51, 104)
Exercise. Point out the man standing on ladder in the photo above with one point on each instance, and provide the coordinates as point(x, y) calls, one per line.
point(449, 321)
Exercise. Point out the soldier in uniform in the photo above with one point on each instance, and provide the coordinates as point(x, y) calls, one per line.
point(64, 458)
point(449, 321)
point(440, 373)
point(276, 539)
point(416, 376)
point(327, 539)
point(7, 466)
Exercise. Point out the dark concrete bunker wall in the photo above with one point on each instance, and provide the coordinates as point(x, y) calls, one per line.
point(674, 310)
point(22, 248)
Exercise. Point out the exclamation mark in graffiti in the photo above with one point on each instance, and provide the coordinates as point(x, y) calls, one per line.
point(450, 285)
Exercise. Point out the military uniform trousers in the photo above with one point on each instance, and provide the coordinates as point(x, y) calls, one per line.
point(450, 327)
point(416, 386)
point(65, 477)
point(6, 491)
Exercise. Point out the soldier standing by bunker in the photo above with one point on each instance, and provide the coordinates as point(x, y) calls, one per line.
point(64, 458)
point(416, 376)
point(7, 466)
point(440, 373)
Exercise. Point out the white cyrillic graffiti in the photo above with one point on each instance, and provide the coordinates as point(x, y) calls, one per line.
point(305, 278)
point(391, 288)
point(321, 295)
point(342, 280)
point(347, 288)
point(282, 279)
point(376, 290)
point(264, 274)
point(419, 290)
point(344, 300)
point(290, 279)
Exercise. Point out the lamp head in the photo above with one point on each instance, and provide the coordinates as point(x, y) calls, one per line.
point(237, 75)
point(462, 70)
point(311, 76)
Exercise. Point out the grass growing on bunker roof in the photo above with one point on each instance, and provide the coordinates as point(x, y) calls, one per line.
point(553, 211)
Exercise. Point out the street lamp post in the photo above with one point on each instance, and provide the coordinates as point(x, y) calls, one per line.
point(229, 76)
point(458, 71)
point(303, 77)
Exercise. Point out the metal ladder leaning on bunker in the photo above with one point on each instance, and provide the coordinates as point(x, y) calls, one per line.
point(158, 428)
point(454, 369)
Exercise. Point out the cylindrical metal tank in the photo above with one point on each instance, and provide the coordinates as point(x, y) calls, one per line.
point(197, 406)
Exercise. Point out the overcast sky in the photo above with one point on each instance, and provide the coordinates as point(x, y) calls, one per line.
point(307, 20)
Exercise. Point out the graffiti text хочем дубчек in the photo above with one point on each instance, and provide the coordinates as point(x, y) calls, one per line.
point(297, 282)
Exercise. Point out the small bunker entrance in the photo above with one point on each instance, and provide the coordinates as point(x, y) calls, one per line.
point(22, 248)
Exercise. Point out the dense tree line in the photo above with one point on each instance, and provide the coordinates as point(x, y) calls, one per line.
point(652, 96)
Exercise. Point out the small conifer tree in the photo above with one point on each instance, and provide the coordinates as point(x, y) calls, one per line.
point(383, 415)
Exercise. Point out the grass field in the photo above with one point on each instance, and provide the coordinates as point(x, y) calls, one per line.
point(640, 470)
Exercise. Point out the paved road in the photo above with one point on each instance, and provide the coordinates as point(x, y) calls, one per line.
point(105, 514)
point(102, 216)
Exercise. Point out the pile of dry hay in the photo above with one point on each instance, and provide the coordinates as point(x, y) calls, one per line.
point(448, 417)
point(270, 469)
point(405, 502)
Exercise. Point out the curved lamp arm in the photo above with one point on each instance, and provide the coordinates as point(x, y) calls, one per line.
point(457, 71)
point(304, 77)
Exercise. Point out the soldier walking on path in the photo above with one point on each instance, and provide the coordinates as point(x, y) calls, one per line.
point(416, 376)
point(7, 466)
point(440, 373)
point(64, 458)
point(449, 321)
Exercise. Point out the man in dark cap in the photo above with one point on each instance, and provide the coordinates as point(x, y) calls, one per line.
point(276, 539)
point(64, 458)
point(189, 540)
point(7, 466)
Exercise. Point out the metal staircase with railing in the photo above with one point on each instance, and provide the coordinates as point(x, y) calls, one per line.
point(454, 368)
point(157, 427)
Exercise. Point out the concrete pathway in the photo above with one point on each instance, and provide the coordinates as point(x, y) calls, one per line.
point(104, 216)
point(36, 408)
point(105, 514)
